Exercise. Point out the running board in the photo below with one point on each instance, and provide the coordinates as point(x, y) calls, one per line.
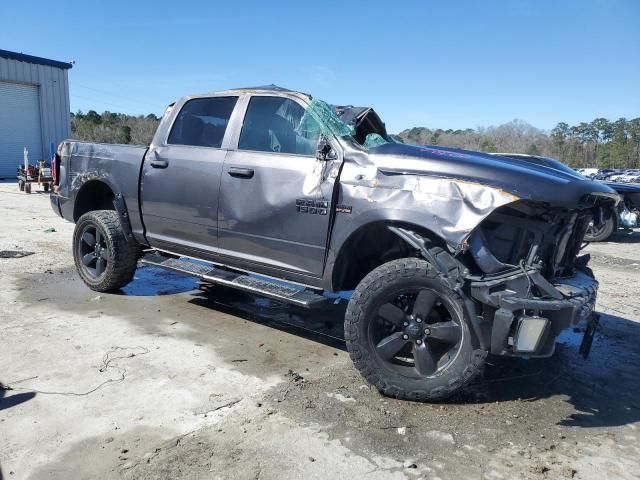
point(283, 292)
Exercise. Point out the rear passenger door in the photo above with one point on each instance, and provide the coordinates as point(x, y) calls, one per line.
point(181, 177)
point(275, 195)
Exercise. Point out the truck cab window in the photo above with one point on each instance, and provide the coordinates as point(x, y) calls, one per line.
point(271, 124)
point(202, 122)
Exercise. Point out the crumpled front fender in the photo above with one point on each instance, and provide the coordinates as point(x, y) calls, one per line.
point(449, 207)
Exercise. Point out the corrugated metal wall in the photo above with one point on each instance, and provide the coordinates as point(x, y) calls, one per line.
point(53, 86)
point(19, 125)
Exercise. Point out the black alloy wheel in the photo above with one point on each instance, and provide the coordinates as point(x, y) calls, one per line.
point(93, 251)
point(105, 258)
point(415, 333)
point(409, 333)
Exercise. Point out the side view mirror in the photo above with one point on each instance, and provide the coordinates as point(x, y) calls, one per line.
point(324, 151)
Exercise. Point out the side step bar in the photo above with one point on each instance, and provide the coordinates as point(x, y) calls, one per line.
point(283, 292)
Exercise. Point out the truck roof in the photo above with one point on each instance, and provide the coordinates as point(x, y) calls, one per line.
point(265, 89)
point(273, 89)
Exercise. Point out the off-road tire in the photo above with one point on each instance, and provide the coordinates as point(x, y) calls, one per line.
point(122, 254)
point(27, 187)
point(396, 274)
point(604, 233)
point(21, 185)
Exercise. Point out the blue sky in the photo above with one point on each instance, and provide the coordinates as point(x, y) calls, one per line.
point(448, 64)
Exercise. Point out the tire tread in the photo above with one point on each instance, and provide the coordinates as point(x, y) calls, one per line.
point(124, 252)
point(361, 357)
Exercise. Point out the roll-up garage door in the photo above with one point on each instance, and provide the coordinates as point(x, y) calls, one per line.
point(19, 126)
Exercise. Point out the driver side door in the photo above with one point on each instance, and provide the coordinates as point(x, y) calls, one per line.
point(275, 195)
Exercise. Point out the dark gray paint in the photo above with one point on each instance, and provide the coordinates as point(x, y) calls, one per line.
point(446, 191)
point(629, 194)
point(180, 202)
point(258, 220)
point(118, 166)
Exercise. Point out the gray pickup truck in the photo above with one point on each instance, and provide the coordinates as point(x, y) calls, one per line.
point(449, 254)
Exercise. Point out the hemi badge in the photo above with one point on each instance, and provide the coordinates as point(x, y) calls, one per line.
point(344, 208)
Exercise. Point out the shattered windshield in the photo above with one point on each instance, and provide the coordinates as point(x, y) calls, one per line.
point(360, 124)
point(320, 118)
point(374, 140)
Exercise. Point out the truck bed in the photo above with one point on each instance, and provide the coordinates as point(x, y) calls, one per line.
point(116, 165)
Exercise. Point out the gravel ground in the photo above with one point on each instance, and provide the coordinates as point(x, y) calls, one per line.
point(169, 380)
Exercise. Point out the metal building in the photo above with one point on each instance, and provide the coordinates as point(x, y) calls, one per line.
point(34, 108)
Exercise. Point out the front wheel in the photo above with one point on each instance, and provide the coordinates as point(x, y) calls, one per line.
point(104, 258)
point(599, 233)
point(408, 334)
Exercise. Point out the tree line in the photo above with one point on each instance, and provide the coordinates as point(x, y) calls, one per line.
point(110, 127)
point(601, 143)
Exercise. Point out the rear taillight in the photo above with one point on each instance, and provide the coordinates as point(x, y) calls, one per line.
point(55, 169)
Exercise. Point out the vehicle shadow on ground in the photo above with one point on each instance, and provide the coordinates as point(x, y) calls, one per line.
point(625, 237)
point(324, 325)
point(7, 402)
point(603, 389)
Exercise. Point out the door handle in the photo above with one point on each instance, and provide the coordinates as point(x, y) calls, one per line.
point(159, 163)
point(240, 172)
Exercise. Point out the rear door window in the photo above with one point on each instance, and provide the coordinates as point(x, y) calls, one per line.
point(272, 124)
point(202, 122)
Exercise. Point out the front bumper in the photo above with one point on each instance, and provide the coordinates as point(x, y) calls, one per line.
point(563, 302)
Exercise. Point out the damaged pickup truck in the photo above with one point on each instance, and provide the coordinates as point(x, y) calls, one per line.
point(450, 254)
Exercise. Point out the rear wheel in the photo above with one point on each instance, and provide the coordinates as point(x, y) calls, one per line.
point(104, 258)
point(27, 187)
point(408, 332)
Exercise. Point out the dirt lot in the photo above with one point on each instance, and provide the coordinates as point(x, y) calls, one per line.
point(167, 380)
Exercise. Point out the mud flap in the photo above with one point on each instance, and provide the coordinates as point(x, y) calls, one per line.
point(587, 340)
point(121, 208)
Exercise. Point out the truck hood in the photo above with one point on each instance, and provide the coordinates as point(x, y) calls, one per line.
point(623, 187)
point(523, 179)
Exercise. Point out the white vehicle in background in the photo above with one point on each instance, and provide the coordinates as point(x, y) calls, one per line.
point(630, 176)
point(587, 172)
point(618, 176)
